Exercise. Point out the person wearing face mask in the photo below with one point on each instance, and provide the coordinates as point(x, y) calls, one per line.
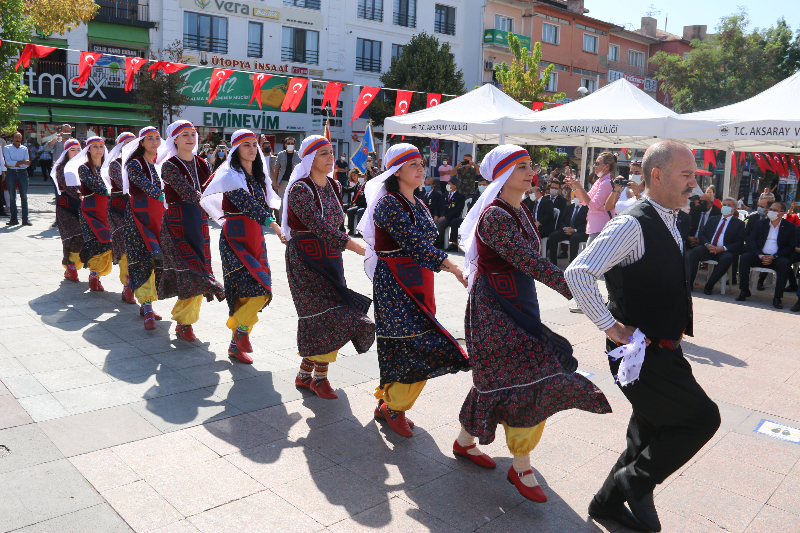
point(544, 215)
point(452, 208)
point(705, 210)
point(219, 156)
point(285, 162)
point(773, 243)
point(341, 169)
point(266, 149)
point(571, 226)
point(624, 196)
point(554, 196)
point(455, 225)
point(605, 167)
point(431, 197)
point(721, 240)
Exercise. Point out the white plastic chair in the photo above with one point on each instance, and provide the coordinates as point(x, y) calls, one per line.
point(725, 280)
point(754, 278)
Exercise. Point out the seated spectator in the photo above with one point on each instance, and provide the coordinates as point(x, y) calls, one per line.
point(431, 197)
point(357, 206)
point(571, 226)
point(543, 212)
point(773, 243)
point(456, 223)
point(700, 215)
point(452, 208)
point(741, 206)
point(721, 240)
point(793, 286)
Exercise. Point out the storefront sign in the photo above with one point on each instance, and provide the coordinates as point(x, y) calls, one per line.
point(116, 50)
point(253, 119)
point(102, 86)
point(646, 84)
point(287, 14)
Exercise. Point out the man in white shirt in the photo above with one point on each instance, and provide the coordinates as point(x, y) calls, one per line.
point(17, 159)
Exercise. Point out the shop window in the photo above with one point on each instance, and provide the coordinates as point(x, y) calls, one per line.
point(300, 46)
point(205, 33)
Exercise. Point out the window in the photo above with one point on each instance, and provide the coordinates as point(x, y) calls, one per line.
point(550, 33)
point(308, 4)
point(590, 43)
point(445, 20)
point(255, 44)
point(368, 55)
point(300, 46)
point(587, 28)
point(503, 23)
point(589, 84)
point(613, 52)
point(545, 64)
point(635, 59)
point(591, 73)
point(205, 33)
point(685, 56)
point(552, 86)
point(397, 49)
point(405, 13)
point(554, 19)
point(370, 10)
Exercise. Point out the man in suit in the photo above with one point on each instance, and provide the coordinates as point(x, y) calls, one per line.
point(431, 198)
point(543, 212)
point(456, 223)
point(452, 207)
point(358, 204)
point(555, 197)
point(721, 239)
point(795, 258)
point(571, 226)
point(773, 243)
point(700, 215)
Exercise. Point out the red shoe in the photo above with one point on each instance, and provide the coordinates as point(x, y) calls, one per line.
point(323, 389)
point(185, 332)
point(241, 356)
point(71, 273)
point(149, 321)
point(94, 283)
point(535, 494)
point(127, 295)
point(304, 384)
point(243, 341)
point(397, 422)
point(481, 460)
point(379, 415)
point(155, 315)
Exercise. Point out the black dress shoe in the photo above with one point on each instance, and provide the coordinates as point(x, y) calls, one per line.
point(12, 222)
point(452, 248)
point(743, 295)
point(708, 290)
point(642, 505)
point(796, 307)
point(26, 223)
point(620, 514)
point(760, 286)
point(776, 303)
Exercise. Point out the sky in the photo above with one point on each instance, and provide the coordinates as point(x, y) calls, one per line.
point(680, 13)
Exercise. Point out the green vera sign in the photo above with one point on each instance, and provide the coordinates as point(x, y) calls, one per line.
point(236, 91)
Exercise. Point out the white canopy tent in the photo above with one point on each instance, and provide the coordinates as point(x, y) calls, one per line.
point(767, 122)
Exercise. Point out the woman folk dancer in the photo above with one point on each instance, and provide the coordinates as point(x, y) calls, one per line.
point(140, 179)
point(522, 372)
point(117, 205)
point(84, 170)
point(68, 212)
point(240, 200)
point(401, 259)
point(185, 241)
point(329, 314)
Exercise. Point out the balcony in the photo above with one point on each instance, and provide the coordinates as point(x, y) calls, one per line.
point(368, 65)
point(296, 55)
point(500, 39)
point(369, 13)
point(308, 4)
point(121, 12)
point(205, 44)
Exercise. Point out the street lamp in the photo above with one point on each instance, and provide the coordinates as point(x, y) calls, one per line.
point(583, 91)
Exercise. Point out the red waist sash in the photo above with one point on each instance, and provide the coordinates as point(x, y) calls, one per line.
point(147, 214)
point(95, 211)
point(247, 241)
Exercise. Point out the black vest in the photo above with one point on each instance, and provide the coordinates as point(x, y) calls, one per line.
point(654, 293)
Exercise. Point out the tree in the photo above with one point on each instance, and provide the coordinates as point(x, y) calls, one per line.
point(160, 97)
point(787, 50)
point(424, 65)
point(20, 18)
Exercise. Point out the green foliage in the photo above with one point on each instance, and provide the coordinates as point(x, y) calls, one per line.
point(787, 50)
point(160, 98)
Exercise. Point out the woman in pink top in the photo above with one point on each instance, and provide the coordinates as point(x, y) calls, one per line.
point(605, 167)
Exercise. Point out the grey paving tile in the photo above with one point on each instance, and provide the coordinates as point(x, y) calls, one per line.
point(212, 374)
point(24, 385)
point(95, 430)
point(185, 409)
point(257, 392)
point(130, 367)
point(37, 493)
point(98, 518)
point(94, 397)
point(10, 367)
point(234, 434)
point(260, 512)
point(163, 383)
point(393, 516)
point(104, 469)
point(101, 354)
point(185, 357)
point(398, 469)
point(164, 453)
point(3, 389)
point(184, 526)
point(72, 378)
point(278, 462)
point(12, 413)
point(27, 446)
point(52, 361)
point(43, 407)
point(141, 506)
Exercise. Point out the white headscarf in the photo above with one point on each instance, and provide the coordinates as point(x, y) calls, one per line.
point(227, 178)
point(131, 147)
point(308, 151)
point(168, 148)
point(71, 168)
point(375, 189)
point(115, 153)
point(496, 167)
point(67, 145)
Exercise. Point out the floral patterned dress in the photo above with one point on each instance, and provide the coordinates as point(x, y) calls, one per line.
point(116, 217)
point(411, 348)
point(141, 263)
point(176, 278)
point(91, 246)
point(69, 226)
point(326, 322)
point(516, 379)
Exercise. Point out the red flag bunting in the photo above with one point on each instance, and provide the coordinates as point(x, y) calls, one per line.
point(258, 81)
point(132, 66)
point(741, 157)
point(364, 99)
point(434, 99)
point(331, 96)
point(709, 158)
point(297, 89)
point(167, 67)
point(775, 161)
point(85, 64)
point(761, 162)
point(403, 101)
point(537, 106)
point(794, 166)
point(785, 163)
point(217, 78)
point(32, 50)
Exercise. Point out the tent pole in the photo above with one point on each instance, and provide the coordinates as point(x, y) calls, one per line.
point(583, 173)
point(474, 149)
point(383, 148)
point(726, 177)
point(502, 138)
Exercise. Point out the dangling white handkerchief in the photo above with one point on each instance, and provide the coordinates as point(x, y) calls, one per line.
point(632, 358)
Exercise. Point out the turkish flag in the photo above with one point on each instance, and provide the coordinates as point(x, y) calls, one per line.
point(258, 81)
point(167, 67)
point(403, 101)
point(85, 64)
point(709, 157)
point(433, 99)
point(775, 161)
point(794, 166)
point(297, 89)
point(364, 99)
point(132, 66)
point(761, 162)
point(331, 96)
point(785, 163)
point(217, 77)
point(32, 50)
point(537, 106)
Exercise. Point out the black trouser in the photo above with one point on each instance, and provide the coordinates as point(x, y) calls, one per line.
point(792, 278)
point(46, 165)
point(352, 214)
point(442, 225)
point(701, 253)
point(454, 226)
point(780, 265)
point(672, 420)
point(574, 240)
